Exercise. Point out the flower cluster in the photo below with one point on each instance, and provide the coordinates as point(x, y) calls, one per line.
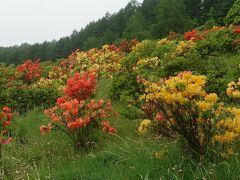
point(228, 131)
point(49, 83)
point(152, 62)
point(6, 116)
point(164, 41)
point(184, 47)
point(81, 86)
point(233, 89)
point(106, 60)
point(176, 90)
point(237, 30)
point(144, 126)
point(193, 35)
point(106, 127)
point(30, 70)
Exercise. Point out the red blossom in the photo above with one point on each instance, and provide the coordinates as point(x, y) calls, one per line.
point(7, 109)
point(61, 100)
point(45, 129)
point(237, 30)
point(81, 86)
point(193, 35)
point(6, 120)
point(6, 141)
point(30, 70)
point(106, 127)
point(159, 117)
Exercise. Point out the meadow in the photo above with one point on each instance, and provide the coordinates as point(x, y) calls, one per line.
point(155, 109)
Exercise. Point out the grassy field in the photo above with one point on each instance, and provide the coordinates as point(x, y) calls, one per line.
point(123, 156)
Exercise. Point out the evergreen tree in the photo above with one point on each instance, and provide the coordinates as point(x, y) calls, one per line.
point(218, 11)
point(136, 27)
point(171, 16)
point(233, 16)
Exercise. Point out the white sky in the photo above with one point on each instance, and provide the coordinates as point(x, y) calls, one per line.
point(34, 21)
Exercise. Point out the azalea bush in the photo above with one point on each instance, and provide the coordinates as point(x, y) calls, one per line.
point(81, 86)
point(106, 60)
point(193, 35)
point(76, 114)
point(197, 116)
point(29, 71)
point(6, 117)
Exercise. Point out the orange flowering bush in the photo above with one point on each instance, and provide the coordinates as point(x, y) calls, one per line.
point(30, 70)
point(76, 114)
point(78, 119)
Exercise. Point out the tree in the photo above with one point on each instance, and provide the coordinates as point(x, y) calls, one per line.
point(135, 27)
point(108, 37)
point(193, 8)
point(171, 16)
point(218, 11)
point(233, 16)
point(148, 10)
point(90, 43)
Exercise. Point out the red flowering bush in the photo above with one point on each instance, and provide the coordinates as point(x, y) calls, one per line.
point(5, 122)
point(237, 30)
point(81, 86)
point(30, 70)
point(76, 114)
point(193, 35)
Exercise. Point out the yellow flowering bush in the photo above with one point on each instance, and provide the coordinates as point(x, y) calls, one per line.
point(106, 60)
point(194, 114)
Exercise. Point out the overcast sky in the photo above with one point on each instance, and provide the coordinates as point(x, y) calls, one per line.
point(34, 21)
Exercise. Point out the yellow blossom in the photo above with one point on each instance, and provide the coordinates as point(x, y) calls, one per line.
point(143, 127)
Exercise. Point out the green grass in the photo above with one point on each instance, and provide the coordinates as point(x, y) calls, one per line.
point(123, 156)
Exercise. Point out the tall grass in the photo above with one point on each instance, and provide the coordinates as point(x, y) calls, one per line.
point(123, 156)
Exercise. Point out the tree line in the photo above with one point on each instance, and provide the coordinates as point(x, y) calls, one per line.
point(148, 20)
